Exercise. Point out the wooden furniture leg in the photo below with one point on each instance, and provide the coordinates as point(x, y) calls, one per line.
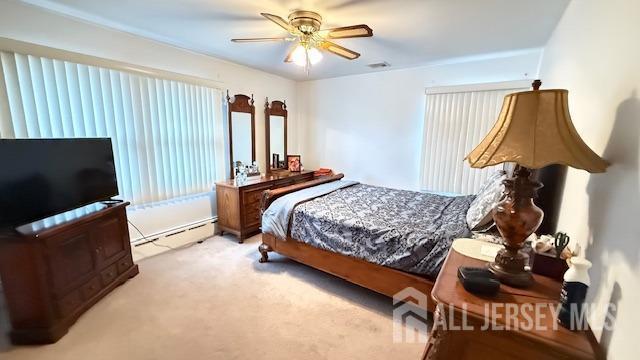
point(264, 251)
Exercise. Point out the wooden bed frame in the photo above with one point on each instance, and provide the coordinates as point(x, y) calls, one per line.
point(381, 279)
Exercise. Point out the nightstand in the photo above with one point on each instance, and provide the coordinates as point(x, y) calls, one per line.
point(519, 338)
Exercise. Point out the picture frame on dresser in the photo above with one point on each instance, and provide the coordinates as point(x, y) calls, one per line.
point(294, 163)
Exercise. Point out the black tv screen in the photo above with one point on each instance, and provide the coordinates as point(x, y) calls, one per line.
point(44, 177)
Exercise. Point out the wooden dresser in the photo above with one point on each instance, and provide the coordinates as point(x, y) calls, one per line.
point(522, 336)
point(52, 273)
point(239, 205)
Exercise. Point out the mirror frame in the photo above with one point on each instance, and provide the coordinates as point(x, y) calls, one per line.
point(243, 104)
point(276, 108)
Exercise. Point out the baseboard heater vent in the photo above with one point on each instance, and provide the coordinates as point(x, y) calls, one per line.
point(199, 226)
point(143, 241)
point(177, 232)
point(173, 232)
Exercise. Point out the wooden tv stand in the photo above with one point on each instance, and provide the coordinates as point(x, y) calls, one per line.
point(53, 274)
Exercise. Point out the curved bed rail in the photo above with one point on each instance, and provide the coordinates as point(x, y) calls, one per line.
point(268, 196)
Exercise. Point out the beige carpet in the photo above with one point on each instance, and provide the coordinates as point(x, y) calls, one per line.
point(215, 301)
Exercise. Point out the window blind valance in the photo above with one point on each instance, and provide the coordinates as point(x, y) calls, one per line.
point(167, 135)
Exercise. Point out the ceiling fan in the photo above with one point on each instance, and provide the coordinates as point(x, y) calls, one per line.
point(304, 29)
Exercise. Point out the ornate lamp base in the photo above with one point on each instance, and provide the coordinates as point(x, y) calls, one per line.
point(509, 268)
point(516, 218)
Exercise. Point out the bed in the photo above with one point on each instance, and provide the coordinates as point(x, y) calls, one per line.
point(382, 239)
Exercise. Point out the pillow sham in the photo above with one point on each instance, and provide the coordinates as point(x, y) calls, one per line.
point(489, 195)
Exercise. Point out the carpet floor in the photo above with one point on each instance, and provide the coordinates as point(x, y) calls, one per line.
point(215, 301)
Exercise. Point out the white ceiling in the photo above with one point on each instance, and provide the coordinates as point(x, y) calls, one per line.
point(405, 32)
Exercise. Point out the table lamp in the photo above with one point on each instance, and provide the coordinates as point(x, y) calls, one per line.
point(533, 130)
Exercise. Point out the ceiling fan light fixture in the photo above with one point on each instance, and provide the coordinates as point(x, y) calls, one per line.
point(306, 28)
point(303, 56)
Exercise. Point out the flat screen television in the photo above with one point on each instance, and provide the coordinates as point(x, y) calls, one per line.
point(44, 177)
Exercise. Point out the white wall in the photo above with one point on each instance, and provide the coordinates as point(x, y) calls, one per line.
point(370, 126)
point(32, 24)
point(595, 54)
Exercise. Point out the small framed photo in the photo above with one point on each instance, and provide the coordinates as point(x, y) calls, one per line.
point(294, 163)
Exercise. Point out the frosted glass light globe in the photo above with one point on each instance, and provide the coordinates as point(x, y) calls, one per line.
point(299, 56)
point(314, 56)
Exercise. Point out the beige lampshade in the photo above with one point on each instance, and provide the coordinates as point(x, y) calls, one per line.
point(534, 130)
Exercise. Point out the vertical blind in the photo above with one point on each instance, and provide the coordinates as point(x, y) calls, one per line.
point(166, 135)
point(455, 122)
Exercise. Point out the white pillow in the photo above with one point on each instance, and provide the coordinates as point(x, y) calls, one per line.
point(489, 195)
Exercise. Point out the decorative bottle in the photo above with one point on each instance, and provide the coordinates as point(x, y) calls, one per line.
point(573, 294)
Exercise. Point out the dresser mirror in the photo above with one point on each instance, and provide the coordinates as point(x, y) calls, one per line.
point(242, 139)
point(275, 114)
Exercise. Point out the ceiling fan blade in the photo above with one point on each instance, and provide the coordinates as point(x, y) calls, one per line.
point(339, 50)
point(280, 21)
point(353, 31)
point(263, 39)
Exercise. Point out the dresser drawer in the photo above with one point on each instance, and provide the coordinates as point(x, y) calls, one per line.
point(91, 288)
point(285, 182)
point(253, 196)
point(252, 215)
point(68, 304)
point(124, 264)
point(109, 274)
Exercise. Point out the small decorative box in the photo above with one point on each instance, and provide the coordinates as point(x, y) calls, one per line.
point(549, 265)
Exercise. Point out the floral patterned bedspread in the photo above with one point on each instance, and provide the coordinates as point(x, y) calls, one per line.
point(405, 230)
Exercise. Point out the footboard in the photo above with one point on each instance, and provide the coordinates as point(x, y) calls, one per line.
point(381, 279)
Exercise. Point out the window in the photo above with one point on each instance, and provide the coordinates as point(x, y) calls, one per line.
point(166, 134)
point(456, 119)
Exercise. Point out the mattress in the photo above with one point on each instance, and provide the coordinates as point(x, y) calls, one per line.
point(406, 230)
